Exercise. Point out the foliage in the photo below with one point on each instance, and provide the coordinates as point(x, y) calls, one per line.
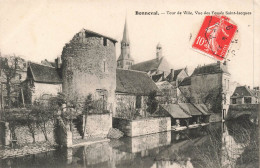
point(152, 102)
point(10, 66)
point(214, 99)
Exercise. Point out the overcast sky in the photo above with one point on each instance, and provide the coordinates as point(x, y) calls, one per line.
point(38, 30)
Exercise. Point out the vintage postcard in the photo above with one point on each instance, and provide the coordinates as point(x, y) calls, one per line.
point(149, 84)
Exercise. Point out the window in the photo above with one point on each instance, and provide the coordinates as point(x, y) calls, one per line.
point(248, 100)
point(138, 103)
point(104, 65)
point(225, 83)
point(104, 41)
point(234, 101)
point(228, 84)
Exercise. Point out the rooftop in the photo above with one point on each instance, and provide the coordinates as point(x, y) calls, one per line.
point(175, 111)
point(44, 74)
point(134, 82)
point(211, 69)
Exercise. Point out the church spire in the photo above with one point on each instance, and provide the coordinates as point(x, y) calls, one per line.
point(125, 34)
point(125, 60)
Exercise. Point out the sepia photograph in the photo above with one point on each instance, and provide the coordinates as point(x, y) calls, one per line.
point(129, 84)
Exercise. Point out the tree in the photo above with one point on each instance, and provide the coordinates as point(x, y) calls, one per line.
point(10, 66)
point(88, 106)
point(152, 102)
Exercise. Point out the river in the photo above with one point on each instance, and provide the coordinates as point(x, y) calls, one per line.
point(229, 144)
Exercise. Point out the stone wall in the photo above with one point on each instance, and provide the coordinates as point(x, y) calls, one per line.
point(89, 65)
point(98, 125)
point(126, 106)
point(146, 142)
point(25, 137)
point(238, 110)
point(4, 133)
point(215, 117)
point(43, 88)
point(143, 126)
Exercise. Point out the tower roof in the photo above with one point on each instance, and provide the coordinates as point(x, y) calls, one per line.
point(125, 35)
point(159, 45)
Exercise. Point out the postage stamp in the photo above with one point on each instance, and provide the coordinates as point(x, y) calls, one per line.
point(215, 36)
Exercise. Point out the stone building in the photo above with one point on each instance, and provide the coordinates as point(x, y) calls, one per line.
point(89, 67)
point(176, 76)
point(132, 90)
point(125, 60)
point(210, 84)
point(245, 95)
point(42, 82)
point(155, 68)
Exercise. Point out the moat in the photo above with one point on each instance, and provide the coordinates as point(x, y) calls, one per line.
point(229, 144)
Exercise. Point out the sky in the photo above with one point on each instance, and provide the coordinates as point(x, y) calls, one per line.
point(38, 30)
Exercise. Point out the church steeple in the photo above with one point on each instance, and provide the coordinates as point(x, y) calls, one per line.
point(125, 60)
point(125, 34)
point(158, 51)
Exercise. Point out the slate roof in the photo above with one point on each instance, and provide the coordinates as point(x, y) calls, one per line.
point(190, 109)
point(211, 69)
point(147, 66)
point(242, 91)
point(176, 73)
point(157, 77)
point(202, 108)
point(44, 74)
point(186, 81)
point(175, 111)
point(99, 35)
point(134, 82)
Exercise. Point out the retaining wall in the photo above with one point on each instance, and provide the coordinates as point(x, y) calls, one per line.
point(142, 126)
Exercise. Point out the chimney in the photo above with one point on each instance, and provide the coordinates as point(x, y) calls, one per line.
point(218, 62)
point(172, 71)
point(58, 62)
point(225, 63)
point(163, 76)
point(248, 87)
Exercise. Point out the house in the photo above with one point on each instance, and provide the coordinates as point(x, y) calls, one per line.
point(169, 92)
point(204, 110)
point(42, 82)
point(190, 109)
point(132, 91)
point(177, 76)
point(177, 114)
point(154, 67)
point(245, 95)
point(184, 94)
point(211, 84)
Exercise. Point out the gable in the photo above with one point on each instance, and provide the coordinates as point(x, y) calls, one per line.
point(134, 82)
point(44, 74)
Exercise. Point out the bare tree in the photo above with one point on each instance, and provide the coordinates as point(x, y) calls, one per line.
point(10, 66)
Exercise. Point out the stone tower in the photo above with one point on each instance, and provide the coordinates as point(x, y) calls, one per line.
point(158, 51)
point(125, 60)
point(89, 67)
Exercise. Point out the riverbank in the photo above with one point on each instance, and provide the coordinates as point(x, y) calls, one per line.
point(29, 149)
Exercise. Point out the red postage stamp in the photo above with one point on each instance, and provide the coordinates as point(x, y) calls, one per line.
point(215, 36)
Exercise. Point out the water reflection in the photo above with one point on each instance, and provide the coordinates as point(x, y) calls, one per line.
point(216, 145)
